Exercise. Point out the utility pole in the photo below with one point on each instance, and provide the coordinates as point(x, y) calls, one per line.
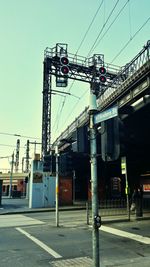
point(57, 187)
point(27, 157)
point(17, 155)
point(96, 220)
point(11, 176)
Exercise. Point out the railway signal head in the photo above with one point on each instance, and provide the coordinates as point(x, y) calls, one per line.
point(102, 77)
point(65, 70)
point(64, 65)
point(64, 61)
point(102, 70)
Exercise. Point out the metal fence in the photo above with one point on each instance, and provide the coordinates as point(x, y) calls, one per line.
point(116, 208)
point(109, 207)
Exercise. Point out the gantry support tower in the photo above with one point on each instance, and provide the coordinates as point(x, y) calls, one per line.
point(63, 65)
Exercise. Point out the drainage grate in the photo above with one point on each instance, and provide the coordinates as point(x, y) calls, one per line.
point(76, 262)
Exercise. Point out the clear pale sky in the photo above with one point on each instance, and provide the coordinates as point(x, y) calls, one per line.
point(27, 27)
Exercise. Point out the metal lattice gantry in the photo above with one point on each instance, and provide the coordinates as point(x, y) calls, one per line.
point(76, 68)
point(46, 113)
point(135, 72)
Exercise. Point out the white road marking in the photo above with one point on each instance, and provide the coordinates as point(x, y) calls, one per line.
point(139, 238)
point(40, 243)
point(13, 220)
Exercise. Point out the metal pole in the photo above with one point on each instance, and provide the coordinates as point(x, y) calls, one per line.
point(27, 189)
point(124, 171)
point(127, 189)
point(74, 177)
point(94, 185)
point(57, 188)
point(11, 174)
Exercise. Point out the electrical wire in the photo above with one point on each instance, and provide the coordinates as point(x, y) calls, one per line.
point(63, 103)
point(111, 23)
point(19, 135)
point(75, 105)
point(90, 25)
point(109, 16)
point(11, 146)
point(83, 39)
point(130, 24)
point(131, 39)
point(95, 41)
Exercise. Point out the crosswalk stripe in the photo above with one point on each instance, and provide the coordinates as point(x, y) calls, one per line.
point(40, 243)
point(17, 220)
point(139, 238)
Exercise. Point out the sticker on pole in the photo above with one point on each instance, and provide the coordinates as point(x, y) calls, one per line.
point(106, 115)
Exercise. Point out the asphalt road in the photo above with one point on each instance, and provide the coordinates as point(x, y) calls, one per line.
point(33, 240)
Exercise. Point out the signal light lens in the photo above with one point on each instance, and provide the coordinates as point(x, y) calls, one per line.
point(102, 70)
point(64, 60)
point(102, 79)
point(65, 70)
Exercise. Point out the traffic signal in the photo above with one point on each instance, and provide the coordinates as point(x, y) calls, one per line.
point(64, 65)
point(102, 75)
point(66, 163)
point(49, 163)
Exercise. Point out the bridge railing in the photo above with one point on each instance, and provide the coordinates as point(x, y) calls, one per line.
point(129, 72)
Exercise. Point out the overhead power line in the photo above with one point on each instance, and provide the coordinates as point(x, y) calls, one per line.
point(62, 103)
point(109, 16)
point(19, 135)
point(127, 43)
point(9, 145)
point(91, 48)
point(111, 24)
point(90, 25)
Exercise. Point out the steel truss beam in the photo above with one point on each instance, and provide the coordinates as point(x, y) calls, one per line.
point(138, 69)
point(86, 70)
point(80, 68)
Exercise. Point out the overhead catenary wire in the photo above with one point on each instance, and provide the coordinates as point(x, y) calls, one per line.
point(130, 23)
point(104, 34)
point(90, 25)
point(97, 37)
point(120, 11)
point(98, 41)
point(62, 103)
point(19, 135)
point(131, 39)
point(75, 105)
point(105, 23)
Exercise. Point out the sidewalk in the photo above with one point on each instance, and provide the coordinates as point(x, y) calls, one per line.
point(19, 206)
